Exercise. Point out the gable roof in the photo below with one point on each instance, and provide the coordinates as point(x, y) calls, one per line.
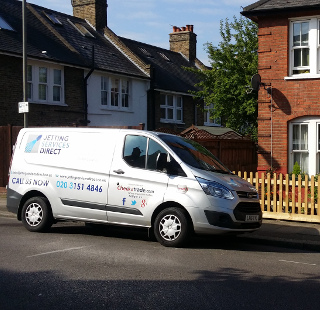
point(273, 6)
point(63, 43)
point(169, 73)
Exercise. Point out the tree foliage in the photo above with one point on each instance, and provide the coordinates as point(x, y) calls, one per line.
point(226, 84)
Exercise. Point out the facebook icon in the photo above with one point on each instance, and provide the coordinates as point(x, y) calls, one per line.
point(123, 201)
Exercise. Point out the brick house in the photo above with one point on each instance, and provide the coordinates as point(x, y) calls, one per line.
point(289, 66)
point(80, 72)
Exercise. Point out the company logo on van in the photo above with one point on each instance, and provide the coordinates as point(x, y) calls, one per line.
point(33, 144)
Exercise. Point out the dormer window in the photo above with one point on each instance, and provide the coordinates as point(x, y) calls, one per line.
point(5, 25)
point(52, 18)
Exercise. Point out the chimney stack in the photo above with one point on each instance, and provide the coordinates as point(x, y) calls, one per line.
point(184, 40)
point(94, 11)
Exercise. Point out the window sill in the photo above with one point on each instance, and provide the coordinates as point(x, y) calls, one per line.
point(212, 125)
point(115, 109)
point(166, 121)
point(60, 104)
point(302, 77)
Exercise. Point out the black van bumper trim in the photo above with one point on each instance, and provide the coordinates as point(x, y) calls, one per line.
point(97, 206)
point(123, 210)
point(83, 204)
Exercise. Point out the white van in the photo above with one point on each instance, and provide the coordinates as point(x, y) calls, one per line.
point(168, 184)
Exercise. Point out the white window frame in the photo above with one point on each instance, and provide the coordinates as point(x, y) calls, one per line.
point(313, 69)
point(176, 108)
point(118, 92)
point(50, 83)
point(312, 148)
point(208, 121)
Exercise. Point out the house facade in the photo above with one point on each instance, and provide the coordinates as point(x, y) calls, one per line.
point(75, 75)
point(289, 66)
point(81, 73)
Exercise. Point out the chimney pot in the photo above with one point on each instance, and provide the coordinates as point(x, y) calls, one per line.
point(183, 28)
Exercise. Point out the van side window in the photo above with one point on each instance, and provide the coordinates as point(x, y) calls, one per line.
point(134, 151)
point(154, 149)
point(135, 148)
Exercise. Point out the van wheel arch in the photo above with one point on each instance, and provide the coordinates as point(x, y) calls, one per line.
point(26, 197)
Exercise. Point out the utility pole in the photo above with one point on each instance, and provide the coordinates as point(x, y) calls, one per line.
point(24, 61)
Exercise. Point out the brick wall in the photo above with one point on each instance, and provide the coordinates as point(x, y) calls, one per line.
point(95, 11)
point(290, 98)
point(39, 114)
point(184, 42)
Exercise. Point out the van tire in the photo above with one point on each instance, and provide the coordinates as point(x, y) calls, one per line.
point(172, 227)
point(36, 214)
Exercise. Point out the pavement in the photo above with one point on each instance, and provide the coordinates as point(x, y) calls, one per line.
point(298, 235)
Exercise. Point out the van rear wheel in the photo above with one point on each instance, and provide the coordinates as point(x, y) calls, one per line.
point(36, 214)
point(171, 227)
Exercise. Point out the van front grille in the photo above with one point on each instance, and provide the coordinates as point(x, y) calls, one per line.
point(249, 208)
point(250, 195)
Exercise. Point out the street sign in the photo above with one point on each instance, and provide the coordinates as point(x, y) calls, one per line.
point(23, 107)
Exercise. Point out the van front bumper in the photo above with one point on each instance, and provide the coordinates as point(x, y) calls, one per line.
point(224, 220)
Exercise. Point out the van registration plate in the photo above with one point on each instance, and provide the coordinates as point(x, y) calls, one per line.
point(252, 218)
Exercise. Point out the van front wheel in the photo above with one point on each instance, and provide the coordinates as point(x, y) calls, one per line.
point(171, 227)
point(36, 214)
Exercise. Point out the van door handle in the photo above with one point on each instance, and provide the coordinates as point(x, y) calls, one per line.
point(119, 171)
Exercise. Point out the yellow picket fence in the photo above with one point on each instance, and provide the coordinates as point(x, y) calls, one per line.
point(287, 197)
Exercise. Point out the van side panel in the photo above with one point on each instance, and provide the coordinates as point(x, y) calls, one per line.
point(71, 168)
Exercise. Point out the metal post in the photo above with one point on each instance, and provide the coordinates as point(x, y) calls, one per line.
point(24, 57)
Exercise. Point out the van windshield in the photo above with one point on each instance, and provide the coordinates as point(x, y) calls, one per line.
point(194, 154)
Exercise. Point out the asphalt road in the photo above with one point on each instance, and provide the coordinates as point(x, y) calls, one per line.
point(74, 267)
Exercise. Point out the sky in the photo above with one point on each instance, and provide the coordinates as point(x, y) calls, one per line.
point(151, 21)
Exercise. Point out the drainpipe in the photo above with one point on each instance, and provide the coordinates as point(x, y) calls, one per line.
point(86, 121)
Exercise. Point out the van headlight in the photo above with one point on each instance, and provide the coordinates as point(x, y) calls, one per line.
point(215, 189)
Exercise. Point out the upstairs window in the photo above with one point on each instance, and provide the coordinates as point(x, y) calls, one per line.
point(115, 93)
point(301, 49)
point(171, 108)
point(304, 47)
point(104, 91)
